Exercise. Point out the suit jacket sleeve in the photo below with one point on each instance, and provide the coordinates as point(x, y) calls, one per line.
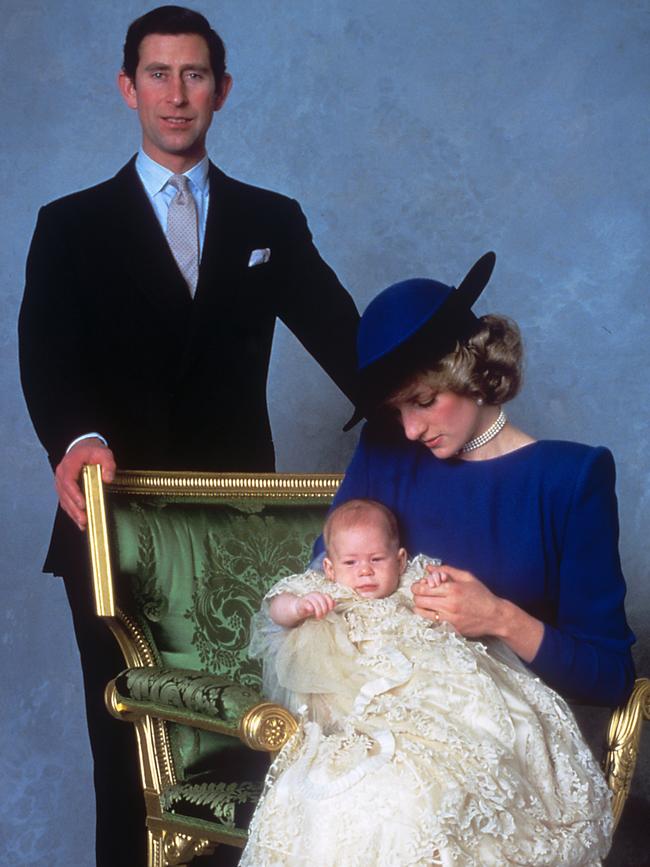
point(55, 355)
point(316, 307)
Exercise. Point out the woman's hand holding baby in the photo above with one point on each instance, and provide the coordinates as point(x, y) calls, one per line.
point(459, 598)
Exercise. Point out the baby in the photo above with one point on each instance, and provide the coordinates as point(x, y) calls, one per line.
point(487, 763)
point(362, 553)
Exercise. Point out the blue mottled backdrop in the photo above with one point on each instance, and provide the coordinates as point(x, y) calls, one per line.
point(416, 135)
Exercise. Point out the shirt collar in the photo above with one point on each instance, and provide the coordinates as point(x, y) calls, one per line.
point(154, 176)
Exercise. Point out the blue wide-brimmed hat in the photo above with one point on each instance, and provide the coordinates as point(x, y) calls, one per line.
point(409, 325)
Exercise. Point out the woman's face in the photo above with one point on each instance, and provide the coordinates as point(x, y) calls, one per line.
point(442, 421)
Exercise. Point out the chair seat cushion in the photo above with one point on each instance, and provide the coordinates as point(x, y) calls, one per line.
point(208, 798)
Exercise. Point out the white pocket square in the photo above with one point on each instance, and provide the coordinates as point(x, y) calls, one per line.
point(259, 257)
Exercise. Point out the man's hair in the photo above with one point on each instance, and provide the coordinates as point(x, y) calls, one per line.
point(173, 20)
point(355, 512)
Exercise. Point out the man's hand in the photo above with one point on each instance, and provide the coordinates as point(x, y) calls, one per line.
point(68, 472)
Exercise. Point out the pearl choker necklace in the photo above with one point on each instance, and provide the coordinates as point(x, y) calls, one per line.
point(487, 435)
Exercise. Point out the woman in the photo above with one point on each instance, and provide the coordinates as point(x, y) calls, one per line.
point(527, 529)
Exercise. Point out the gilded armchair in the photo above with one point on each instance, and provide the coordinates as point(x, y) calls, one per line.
point(180, 562)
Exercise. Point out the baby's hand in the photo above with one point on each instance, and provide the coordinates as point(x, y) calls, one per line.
point(315, 604)
point(433, 577)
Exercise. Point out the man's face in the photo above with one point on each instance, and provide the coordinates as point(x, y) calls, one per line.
point(175, 95)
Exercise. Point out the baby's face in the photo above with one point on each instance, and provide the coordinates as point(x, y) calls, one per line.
point(365, 558)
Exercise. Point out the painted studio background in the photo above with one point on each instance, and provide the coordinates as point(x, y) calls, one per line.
point(416, 135)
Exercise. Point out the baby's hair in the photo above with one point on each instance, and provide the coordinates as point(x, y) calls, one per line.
point(355, 512)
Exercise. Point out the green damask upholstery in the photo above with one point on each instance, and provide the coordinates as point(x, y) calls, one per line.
point(199, 572)
point(194, 574)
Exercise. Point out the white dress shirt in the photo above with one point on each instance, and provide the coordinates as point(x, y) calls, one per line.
point(154, 179)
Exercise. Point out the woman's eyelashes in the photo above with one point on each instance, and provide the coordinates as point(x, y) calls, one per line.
point(425, 400)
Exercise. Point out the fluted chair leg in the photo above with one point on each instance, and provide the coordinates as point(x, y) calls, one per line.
point(154, 849)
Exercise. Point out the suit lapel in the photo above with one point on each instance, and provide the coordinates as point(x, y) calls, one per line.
point(228, 240)
point(213, 284)
point(219, 251)
point(146, 251)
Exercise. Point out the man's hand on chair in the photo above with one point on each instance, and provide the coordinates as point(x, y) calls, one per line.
point(66, 476)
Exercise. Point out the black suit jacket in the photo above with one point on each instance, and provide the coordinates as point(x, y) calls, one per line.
point(111, 341)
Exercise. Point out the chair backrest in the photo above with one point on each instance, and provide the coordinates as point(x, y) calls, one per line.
point(182, 561)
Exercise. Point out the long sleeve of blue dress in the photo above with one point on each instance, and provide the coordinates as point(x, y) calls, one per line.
point(586, 652)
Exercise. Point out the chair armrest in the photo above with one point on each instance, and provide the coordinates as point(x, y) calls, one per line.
point(201, 700)
point(623, 736)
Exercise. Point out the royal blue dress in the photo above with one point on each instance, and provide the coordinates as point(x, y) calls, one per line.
point(539, 526)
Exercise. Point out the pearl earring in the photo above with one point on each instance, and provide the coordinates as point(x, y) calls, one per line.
point(479, 401)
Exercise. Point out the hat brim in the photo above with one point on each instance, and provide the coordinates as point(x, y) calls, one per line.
point(452, 321)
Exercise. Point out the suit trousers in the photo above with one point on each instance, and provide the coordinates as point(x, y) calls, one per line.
point(120, 835)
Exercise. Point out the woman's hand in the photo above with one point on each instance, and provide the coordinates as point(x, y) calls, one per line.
point(459, 598)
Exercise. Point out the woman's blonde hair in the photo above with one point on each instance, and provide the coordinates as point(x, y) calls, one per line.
point(487, 365)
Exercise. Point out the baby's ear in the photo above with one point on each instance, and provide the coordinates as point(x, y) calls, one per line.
point(402, 557)
point(328, 567)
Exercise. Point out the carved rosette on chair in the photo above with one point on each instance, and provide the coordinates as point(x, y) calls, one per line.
point(267, 727)
point(180, 563)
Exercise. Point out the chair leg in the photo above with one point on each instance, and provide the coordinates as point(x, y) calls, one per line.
point(154, 849)
point(179, 850)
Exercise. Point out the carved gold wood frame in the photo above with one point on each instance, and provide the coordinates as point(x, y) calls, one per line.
point(265, 726)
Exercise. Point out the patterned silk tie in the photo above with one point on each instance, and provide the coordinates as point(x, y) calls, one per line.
point(183, 231)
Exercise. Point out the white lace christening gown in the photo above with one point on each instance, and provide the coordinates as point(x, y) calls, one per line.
point(417, 747)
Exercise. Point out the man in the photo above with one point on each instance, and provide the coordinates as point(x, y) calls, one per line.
point(146, 330)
